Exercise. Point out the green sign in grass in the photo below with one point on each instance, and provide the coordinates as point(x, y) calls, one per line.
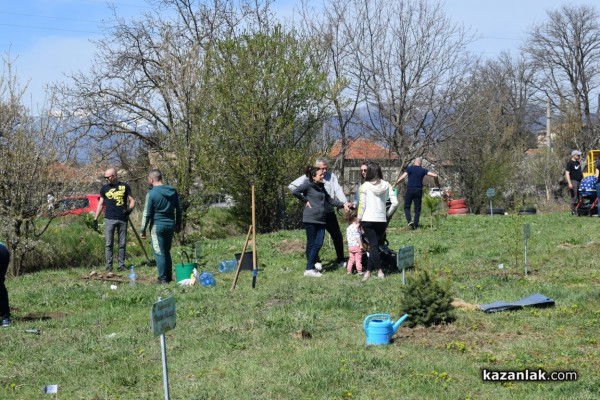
point(405, 258)
point(162, 316)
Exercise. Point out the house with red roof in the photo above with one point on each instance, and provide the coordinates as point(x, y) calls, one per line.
point(359, 150)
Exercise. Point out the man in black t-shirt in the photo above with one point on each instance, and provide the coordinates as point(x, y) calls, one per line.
point(574, 175)
point(414, 191)
point(116, 196)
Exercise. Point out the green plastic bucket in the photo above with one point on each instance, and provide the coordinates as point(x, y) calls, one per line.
point(184, 270)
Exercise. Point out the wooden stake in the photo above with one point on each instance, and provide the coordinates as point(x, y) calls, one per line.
point(239, 267)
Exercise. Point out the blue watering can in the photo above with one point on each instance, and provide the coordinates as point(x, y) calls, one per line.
point(380, 328)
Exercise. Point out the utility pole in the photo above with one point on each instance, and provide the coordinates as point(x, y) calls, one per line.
point(548, 150)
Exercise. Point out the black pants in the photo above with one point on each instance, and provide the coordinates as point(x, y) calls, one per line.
point(4, 260)
point(374, 231)
point(333, 228)
point(414, 196)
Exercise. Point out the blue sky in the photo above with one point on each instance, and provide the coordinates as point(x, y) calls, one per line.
point(51, 38)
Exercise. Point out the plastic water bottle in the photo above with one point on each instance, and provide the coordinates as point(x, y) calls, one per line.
point(227, 266)
point(207, 279)
point(132, 276)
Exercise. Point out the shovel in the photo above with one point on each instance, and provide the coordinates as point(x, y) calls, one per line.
point(137, 235)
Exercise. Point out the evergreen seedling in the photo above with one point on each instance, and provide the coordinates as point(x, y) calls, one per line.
point(427, 300)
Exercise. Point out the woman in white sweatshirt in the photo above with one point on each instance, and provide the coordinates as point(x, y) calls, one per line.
point(372, 214)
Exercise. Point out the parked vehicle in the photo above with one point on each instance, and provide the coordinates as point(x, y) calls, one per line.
point(78, 204)
point(435, 192)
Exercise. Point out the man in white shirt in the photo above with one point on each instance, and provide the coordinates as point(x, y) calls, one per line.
point(332, 226)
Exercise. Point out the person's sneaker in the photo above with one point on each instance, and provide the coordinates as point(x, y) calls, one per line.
point(411, 225)
point(319, 266)
point(360, 273)
point(6, 321)
point(312, 272)
point(342, 264)
point(160, 282)
point(366, 276)
point(380, 274)
point(348, 272)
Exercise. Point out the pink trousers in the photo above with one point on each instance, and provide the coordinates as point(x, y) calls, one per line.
point(355, 257)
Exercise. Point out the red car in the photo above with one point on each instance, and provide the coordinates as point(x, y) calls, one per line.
point(78, 204)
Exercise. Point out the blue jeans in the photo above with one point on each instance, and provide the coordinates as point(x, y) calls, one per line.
point(315, 234)
point(161, 237)
point(110, 226)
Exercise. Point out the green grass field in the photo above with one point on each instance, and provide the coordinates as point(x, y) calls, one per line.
point(96, 343)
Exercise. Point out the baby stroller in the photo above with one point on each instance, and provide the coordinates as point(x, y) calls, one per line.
point(387, 255)
point(587, 203)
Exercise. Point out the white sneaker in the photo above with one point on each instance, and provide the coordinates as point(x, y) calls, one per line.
point(319, 266)
point(313, 273)
point(342, 264)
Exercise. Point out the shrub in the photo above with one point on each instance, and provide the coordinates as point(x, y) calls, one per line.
point(427, 300)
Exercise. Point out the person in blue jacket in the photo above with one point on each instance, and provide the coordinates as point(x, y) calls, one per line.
point(163, 214)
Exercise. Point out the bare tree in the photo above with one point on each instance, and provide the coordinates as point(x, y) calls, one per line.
point(334, 28)
point(35, 159)
point(413, 61)
point(495, 128)
point(565, 50)
point(147, 81)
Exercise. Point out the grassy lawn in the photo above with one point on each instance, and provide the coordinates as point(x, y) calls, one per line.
point(96, 343)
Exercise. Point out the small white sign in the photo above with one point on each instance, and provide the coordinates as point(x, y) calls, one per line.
point(162, 316)
point(50, 389)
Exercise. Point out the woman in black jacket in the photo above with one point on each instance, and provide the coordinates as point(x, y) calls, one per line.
point(313, 195)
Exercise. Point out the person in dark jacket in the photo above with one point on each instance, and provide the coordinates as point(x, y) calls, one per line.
point(162, 213)
point(4, 306)
point(314, 196)
point(574, 176)
point(334, 189)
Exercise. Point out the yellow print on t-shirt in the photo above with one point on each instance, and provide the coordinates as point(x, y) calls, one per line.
point(117, 194)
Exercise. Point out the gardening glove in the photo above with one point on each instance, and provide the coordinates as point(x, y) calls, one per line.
point(95, 224)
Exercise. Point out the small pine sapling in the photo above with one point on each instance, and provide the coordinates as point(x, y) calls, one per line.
point(427, 300)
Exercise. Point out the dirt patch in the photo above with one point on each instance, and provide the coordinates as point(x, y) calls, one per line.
point(290, 246)
point(566, 246)
point(275, 303)
point(42, 317)
point(302, 334)
point(122, 277)
point(477, 337)
point(463, 305)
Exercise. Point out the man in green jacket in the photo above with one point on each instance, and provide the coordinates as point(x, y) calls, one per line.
point(162, 213)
